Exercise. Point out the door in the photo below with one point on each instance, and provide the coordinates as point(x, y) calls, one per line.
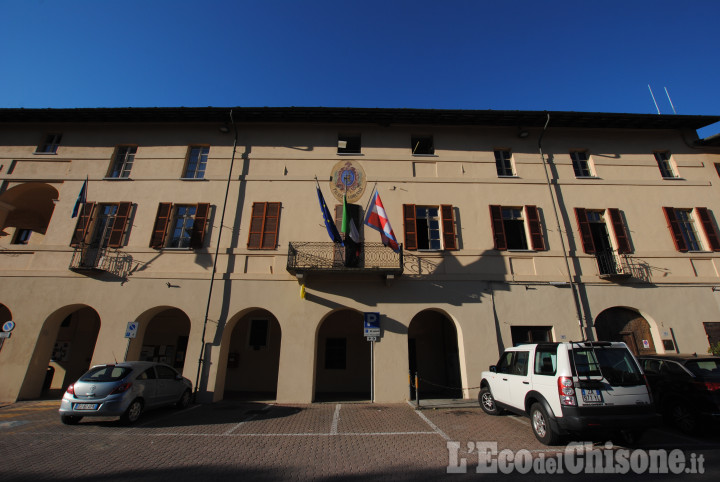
point(499, 380)
point(518, 380)
point(169, 387)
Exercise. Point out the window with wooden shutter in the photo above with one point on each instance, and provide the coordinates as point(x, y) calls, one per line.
point(117, 231)
point(264, 225)
point(537, 241)
point(498, 227)
point(709, 228)
point(448, 227)
point(197, 238)
point(621, 236)
point(585, 232)
point(157, 240)
point(675, 230)
point(410, 227)
point(83, 224)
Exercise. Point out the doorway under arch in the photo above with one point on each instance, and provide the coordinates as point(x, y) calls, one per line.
point(433, 354)
point(165, 339)
point(626, 325)
point(342, 362)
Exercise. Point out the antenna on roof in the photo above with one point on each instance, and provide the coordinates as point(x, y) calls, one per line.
point(671, 104)
point(653, 98)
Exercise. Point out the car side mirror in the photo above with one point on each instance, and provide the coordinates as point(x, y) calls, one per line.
point(493, 368)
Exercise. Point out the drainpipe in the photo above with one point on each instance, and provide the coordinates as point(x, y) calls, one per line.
point(215, 259)
point(576, 297)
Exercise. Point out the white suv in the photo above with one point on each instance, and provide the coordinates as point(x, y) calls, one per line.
point(570, 388)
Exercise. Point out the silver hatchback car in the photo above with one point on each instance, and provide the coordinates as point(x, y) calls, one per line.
point(124, 390)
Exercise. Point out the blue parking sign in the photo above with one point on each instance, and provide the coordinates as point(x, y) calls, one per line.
point(372, 324)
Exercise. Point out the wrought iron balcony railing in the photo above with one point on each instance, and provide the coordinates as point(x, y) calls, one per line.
point(611, 265)
point(306, 257)
point(86, 258)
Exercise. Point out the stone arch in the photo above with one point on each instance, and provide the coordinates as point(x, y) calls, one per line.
point(434, 354)
point(162, 336)
point(63, 351)
point(627, 325)
point(342, 358)
point(28, 206)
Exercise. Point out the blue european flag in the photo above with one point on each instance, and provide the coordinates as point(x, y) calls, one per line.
point(329, 223)
point(81, 199)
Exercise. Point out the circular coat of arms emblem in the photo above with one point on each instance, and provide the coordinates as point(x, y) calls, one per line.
point(348, 177)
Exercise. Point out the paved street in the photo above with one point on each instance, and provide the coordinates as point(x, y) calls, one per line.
point(230, 439)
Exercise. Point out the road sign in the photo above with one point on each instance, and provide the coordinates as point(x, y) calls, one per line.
point(372, 324)
point(131, 331)
point(371, 338)
point(8, 326)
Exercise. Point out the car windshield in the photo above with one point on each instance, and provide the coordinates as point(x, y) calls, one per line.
point(110, 373)
point(616, 365)
point(704, 368)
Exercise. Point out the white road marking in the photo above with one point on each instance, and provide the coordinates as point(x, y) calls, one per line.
point(252, 417)
point(336, 419)
point(433, 426)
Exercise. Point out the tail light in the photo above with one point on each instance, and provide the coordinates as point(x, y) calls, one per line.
point(121, 388)
point(71, 389)
point(566, 391)
point(710, 386)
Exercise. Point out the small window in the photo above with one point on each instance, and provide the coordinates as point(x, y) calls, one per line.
point(50, 144)
point(122, 162)
point(22, 236)
point(422, 145)
point(514, 225)
point(258, 333)
point(349, 144)
point(181, 230)
point(520, 364)
point(581, 164)
point(335, 353)
point(530, 334)
point(664, 164)
point(546, 360)
point(503, 163)
point(428, 227)
point(196, 163)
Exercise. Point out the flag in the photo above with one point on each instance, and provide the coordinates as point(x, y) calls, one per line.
point(344, 227)
point(81, 199)
point(378, 220)
point(329, 223)
point(354, 234)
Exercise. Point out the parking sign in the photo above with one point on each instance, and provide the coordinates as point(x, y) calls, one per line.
point(372, 324)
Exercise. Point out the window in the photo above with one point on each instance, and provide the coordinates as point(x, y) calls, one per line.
point(102, 225)
point(49, 144)
point(594, 233)
point(503, 163)
point(165, 373)
point(530, 334)
point(429, 227)
point(511, 227)
point(335, 353)
point(197, 160)
point(717, 168)
point(504, 365)
point(682, 228)
point(349, 144)
point(663, 161)
point(258, 334)
point(264, 225)
point(22, 236)
point(581, 164)
point(422, 145)
point(122, 162)
point(545, 360)
point(180, 226)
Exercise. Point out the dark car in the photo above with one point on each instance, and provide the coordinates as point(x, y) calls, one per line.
point(686, 388)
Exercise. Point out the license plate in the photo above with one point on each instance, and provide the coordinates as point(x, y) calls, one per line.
point(592, 396)
point(86, 406)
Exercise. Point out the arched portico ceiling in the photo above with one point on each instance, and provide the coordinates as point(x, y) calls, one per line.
point(29, 205)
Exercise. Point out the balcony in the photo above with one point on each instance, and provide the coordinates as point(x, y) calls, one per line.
point(613, 266)
point(94, 260)
point(331, 258)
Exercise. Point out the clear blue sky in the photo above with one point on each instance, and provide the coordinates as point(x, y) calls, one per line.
point(578, 55)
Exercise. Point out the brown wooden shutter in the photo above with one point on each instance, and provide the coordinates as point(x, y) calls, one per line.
point(537, 241)
point(621, 236)
point(117, 232)
point(498, 228)
point(709, 228)
point(272, 225)
point(410, 227)
point(257, 217)
point(675, 230)
point(83, 224)
point(448, 227)
point(585, 232)
point(157, 240)
point(197, 236)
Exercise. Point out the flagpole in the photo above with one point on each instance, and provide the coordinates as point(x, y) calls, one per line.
point(371, 196)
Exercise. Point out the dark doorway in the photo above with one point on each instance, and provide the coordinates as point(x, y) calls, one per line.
point(433, 354)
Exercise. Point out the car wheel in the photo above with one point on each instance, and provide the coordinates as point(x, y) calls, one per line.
point(487, 402)
point(70, 419)
point(682, 417)
point(540, 423)
point(133, 412)
point(184, 400)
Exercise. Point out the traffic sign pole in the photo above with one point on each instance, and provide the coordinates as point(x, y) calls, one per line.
point(372, 372)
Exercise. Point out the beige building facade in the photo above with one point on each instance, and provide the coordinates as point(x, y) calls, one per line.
point(203, 231)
